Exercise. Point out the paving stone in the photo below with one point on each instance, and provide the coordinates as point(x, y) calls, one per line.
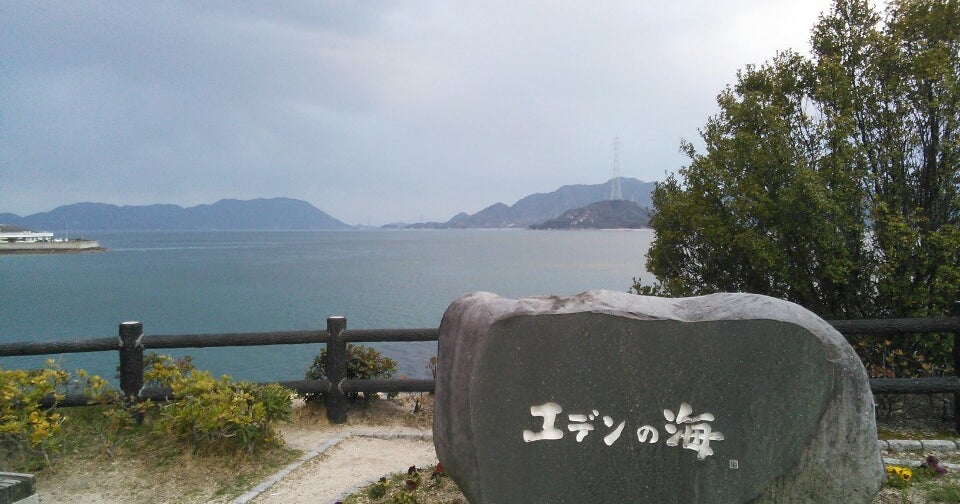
point(902, 445)
point(938, 445)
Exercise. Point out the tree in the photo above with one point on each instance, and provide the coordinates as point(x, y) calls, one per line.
point(833, 180)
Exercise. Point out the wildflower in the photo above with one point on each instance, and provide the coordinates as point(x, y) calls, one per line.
point(933, 463)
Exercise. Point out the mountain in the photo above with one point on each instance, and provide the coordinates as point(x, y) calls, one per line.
point(609, 214)
point(228, 214)
point(540, 207)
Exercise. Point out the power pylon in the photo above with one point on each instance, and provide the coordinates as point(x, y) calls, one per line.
point(615, 192)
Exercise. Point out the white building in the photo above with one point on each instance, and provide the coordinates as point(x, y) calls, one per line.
point(25, 237)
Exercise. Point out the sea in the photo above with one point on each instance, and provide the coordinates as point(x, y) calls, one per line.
point(257, 281)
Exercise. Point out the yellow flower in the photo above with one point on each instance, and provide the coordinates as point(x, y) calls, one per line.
point(905, 474)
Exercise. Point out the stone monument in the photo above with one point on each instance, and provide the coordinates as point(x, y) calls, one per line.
point(612, 397)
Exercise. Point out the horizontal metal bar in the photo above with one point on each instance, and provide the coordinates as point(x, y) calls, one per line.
point(848, 327)
point(67, 401)
point(939, 385)
point(58, 347)
point(897, 326)
point(380, 335)
point(157, 394)
point(234, 339)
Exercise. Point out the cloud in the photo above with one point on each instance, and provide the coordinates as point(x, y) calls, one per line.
point(374, 111)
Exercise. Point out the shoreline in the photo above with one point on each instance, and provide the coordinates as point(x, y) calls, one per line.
point(67, 247)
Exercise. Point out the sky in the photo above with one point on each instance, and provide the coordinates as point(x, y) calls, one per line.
point(373, 111)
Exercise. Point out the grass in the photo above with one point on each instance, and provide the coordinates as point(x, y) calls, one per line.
point(945, 494)
point(923, 487)
point(907, 433)
point(92, 460)
point(424, 485)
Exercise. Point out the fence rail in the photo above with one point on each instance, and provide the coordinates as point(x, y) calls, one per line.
point(131, 343)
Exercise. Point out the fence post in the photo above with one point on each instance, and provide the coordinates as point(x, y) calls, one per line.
point(131, 363)
point(336, 370)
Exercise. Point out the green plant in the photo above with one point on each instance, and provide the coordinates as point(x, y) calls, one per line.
point(27, 429)
point(363, 362)
point(426, 485)
point(830, 179)
point(379, 489)
point(404, 497)
point(949, 493)
point(216, 415)
point(909, 357)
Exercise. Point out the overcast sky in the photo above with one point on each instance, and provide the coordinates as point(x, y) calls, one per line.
point(374, 111)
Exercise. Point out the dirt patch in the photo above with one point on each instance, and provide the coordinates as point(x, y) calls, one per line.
point(94, 474)
point(347, 466)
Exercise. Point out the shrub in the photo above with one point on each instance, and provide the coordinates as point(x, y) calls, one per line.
point(29, 422)
point(363, 362)
point(216, 415)
point(27, 429)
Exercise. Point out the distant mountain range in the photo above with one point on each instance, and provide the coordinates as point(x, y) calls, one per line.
point(609, 214)
point(227, 214)
point(537, 208)
point(290, 214)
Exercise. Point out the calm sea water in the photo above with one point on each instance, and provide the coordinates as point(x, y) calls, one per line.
point(214, 282)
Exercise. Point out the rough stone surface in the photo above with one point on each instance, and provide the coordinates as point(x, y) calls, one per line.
point(786, 391)
point(17, 487)
point(938, 445)
point(902, 445)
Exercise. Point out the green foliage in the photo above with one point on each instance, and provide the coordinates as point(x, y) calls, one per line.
point(27, 429)
point(928, 356)
point(950, 494)
point(832, 181)
point(411, 487)
point(363, 362)
point(378, 489)
point(216, 415)
point(404, 497)
point(210, 415)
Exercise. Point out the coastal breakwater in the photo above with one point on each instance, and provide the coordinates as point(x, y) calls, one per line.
point(52, 247)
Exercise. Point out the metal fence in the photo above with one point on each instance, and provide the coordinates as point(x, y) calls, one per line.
point(131, 343)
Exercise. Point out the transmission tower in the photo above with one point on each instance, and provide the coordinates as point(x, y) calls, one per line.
point(615, 192)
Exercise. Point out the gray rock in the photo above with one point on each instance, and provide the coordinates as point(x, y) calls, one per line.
point(752, 399)
point(902, 445)
point(938, 445)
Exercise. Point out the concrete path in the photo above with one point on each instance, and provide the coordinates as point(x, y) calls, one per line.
point(341, 464)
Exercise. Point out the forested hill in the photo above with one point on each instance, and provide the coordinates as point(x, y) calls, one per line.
point(610, 214)
point(541, 207)
point(228, 214)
